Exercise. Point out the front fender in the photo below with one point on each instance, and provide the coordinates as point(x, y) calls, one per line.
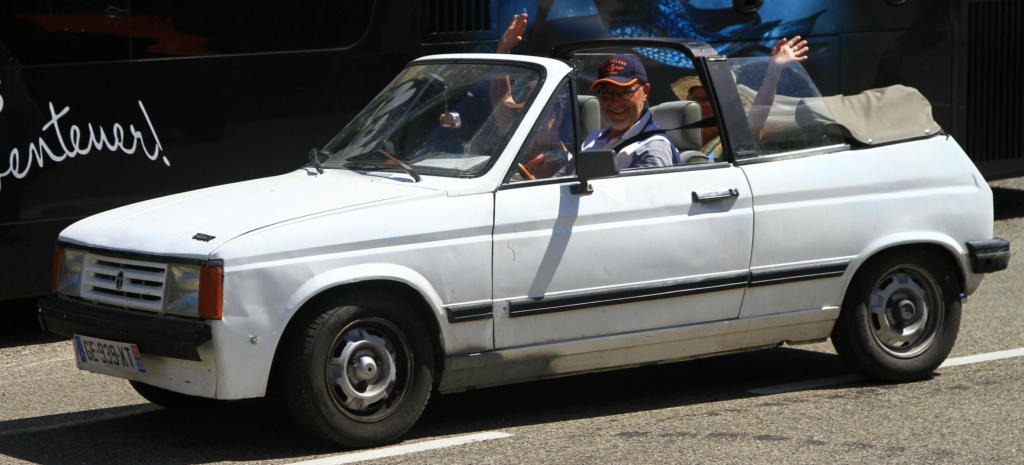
point(258, 310)
point(352, 275)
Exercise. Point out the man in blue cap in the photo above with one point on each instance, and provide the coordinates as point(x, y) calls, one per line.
point(622, 90)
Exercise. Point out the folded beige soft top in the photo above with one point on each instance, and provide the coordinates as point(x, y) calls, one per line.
point(878, 116)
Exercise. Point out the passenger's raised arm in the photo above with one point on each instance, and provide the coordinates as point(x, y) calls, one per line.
point(784, 52)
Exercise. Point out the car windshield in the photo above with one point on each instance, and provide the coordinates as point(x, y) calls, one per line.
point(444, 119)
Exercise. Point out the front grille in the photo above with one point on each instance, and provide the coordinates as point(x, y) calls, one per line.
point(123, 282)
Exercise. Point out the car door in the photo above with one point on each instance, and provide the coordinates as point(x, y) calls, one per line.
point(647, 249)
point(817, 204)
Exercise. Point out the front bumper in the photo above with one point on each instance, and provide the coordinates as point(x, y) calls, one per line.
point(162, 335)
point(989, 256)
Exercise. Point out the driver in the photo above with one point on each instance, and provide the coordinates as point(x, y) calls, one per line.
point(622, 89)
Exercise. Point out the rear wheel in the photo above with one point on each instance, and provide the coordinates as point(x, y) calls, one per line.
point(900, 317)
point(361, 372)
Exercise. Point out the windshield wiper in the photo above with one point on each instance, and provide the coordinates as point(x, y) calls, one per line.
point(407, 168)
point(314, 159)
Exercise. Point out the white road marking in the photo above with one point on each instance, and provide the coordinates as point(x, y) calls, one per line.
point(969, 359)
point(405, 449)
point(821, 382)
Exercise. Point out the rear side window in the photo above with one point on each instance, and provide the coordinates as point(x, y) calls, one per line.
point(788, 117)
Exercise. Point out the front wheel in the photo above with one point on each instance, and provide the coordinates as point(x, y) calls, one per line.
point(900, 317)
point(360, 373)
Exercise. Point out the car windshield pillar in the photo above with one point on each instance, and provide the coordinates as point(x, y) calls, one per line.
point(737, 136)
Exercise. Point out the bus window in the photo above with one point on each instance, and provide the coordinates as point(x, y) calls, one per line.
point(233, 27)
point(86, 31)
point(64, 31)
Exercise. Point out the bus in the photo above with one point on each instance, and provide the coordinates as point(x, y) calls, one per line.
point(107, 103)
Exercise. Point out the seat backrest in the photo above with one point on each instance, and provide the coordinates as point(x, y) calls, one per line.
point(675, 114)
point(590, 114)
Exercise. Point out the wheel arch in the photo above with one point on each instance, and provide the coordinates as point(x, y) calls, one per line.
point(306, 313)
point(947, 254)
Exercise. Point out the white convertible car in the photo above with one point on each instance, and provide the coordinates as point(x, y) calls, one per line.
point(436, 244)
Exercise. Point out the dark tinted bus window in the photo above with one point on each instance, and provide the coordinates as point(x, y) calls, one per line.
point(64, 31)
point(81, 31)
point(201, 27)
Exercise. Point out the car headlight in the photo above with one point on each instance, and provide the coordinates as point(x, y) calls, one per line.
point(182, 294)
point(67, 272)
point(194, 290)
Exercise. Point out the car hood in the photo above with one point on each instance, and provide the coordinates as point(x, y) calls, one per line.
point(193, 224)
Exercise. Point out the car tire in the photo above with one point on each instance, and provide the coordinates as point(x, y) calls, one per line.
point(900, 318)
point(360, 372)
point(174, 400)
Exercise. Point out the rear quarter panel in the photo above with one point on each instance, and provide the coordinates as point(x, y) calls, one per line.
point(849, 205)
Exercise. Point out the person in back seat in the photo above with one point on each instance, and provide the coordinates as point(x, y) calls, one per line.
point(690, 88)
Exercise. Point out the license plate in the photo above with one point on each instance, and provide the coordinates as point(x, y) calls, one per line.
point(95, 353)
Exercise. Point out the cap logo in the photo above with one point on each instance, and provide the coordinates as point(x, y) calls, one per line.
point(612, 67)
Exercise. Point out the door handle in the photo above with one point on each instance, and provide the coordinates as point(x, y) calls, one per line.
point(715, 195)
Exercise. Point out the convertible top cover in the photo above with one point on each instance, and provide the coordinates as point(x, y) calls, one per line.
point(880, 116)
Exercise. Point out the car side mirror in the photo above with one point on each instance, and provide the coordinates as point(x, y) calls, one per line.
point(593, 164)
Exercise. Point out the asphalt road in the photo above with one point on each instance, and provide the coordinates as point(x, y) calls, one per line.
point(741, 409)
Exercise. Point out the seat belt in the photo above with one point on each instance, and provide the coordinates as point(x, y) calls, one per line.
point(706, 122)
point(639, 137)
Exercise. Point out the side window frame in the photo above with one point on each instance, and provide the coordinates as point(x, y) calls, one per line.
point(737, 138)
point(569, 128)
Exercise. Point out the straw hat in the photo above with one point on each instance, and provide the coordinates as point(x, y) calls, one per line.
point(682, 87)
point(682, 90)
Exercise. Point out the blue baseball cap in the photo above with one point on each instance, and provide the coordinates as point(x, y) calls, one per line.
point(621, 70)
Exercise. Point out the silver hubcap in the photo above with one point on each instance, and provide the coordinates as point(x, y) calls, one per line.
point(905, 310)
point(362, 368)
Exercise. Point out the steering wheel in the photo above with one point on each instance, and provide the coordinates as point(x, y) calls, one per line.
point(525, 172)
